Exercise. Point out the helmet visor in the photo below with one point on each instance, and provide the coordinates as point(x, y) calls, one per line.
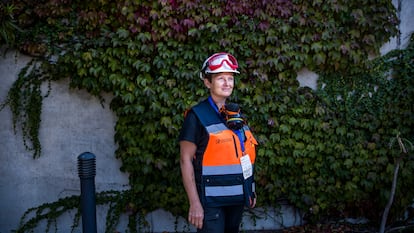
point(218, 60)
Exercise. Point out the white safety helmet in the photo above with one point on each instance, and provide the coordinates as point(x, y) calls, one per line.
point(218, 63)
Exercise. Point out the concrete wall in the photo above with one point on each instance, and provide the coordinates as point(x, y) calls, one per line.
point(74, 122)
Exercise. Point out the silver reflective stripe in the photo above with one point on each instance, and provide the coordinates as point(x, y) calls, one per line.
point(216, 128)
point(216, 191)
point(253, 187)
point(222, 170)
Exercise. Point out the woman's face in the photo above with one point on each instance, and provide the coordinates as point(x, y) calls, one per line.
point(221, 85)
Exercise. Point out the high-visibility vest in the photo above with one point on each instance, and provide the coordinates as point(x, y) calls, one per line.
point(222, 182)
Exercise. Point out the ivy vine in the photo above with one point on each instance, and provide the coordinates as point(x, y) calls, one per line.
point(25, 100)
point(325, 151)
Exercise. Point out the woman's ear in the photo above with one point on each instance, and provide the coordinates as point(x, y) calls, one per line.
point(207, 83)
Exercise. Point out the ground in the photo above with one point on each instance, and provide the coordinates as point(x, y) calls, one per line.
point(338, 228)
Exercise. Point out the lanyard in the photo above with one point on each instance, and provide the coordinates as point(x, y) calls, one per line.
point(240, 136)
point(238, 132)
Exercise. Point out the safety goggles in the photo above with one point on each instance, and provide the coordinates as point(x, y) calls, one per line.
point(217, 60)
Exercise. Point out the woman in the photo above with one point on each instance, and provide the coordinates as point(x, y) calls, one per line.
point(217, 153)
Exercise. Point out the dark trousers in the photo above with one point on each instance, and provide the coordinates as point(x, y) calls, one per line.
point(225, 219)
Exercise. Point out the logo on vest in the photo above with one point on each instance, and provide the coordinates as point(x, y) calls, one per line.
point(223, 140)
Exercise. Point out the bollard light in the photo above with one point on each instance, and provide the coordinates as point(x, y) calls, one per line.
point(87, 172)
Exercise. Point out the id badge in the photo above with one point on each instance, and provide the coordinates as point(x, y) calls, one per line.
point(246, 166)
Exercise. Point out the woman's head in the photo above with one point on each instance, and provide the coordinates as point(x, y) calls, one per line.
point(220, 85)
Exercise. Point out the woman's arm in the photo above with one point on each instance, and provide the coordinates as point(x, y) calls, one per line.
point(196, 212)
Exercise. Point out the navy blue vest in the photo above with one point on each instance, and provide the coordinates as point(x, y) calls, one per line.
point(222, 181)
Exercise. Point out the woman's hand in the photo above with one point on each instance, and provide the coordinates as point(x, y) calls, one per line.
point(252, 202)
point(196, 215)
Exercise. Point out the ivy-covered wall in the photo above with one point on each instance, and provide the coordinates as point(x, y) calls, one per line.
point(325, 151)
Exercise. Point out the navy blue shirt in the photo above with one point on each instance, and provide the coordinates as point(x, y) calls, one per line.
point(193, 131)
